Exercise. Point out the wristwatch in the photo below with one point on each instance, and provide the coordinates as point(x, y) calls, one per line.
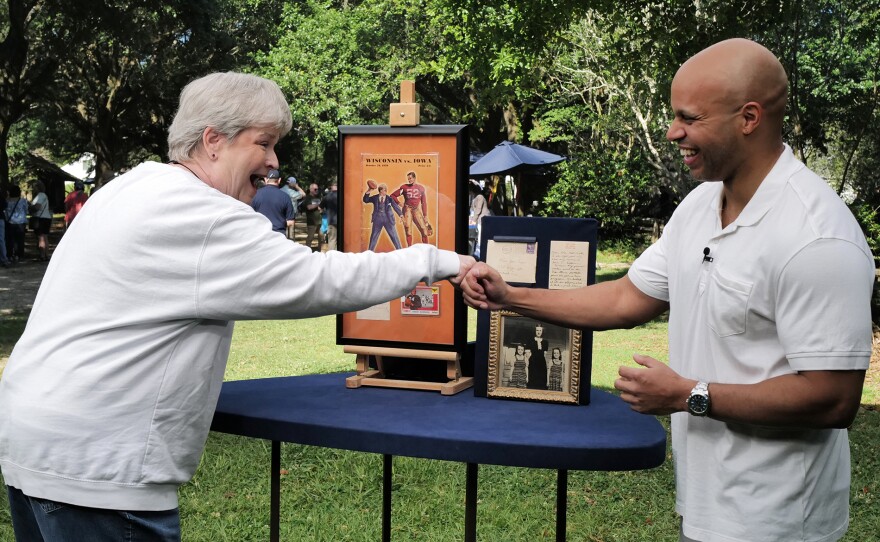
point(698, 402)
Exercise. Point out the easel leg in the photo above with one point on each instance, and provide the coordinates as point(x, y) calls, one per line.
point(470, 503)
point(362, 363)
point(453, 369)
point(386, 497)
point(561, 503)
point(364, 371)
point(275, 493)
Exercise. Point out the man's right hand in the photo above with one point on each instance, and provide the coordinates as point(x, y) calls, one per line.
point(483, 288)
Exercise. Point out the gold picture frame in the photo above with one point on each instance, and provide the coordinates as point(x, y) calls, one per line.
point(516, 346)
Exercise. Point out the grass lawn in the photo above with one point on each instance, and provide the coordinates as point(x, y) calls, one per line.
point(335, 495)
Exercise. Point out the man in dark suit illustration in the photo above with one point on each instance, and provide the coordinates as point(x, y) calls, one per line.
point(384, 209)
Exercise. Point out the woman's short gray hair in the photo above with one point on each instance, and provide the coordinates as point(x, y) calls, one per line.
point(230, 102)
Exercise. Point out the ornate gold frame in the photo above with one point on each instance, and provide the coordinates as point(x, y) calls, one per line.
point(496, 343)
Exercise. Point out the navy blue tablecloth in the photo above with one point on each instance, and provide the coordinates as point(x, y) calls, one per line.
point(319, 410)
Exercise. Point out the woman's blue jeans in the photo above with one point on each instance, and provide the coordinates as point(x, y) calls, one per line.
point(37, 520)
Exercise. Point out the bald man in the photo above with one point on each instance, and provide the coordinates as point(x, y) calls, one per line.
point(767, 278)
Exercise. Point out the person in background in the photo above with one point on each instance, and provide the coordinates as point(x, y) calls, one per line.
point(274, 204)
point(74, 202)
point(479, 209)
point(107, 398)
point(313, 216)
point(767, 278)
point(16, 224)
point(330, 204)
point(40, 209)
point(4, 260)
point(292, 189)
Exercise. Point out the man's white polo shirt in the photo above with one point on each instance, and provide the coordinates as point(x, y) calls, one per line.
point(787, 289)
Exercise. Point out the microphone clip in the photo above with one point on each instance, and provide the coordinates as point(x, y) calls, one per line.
point(706, 257)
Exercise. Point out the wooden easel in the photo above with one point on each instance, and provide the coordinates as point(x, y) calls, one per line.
point(405, 113)
point(376, 377)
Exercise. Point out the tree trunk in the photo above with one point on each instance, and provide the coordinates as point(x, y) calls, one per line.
point(4, 157)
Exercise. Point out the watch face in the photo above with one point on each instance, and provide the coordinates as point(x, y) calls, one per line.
point(698, 404)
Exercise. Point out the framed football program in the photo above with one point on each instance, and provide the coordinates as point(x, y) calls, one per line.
point(399, 186)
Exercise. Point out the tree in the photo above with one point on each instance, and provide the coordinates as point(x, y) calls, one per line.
point(474, 63)
point(125, 62)
point(612, 75)
point(120, 88)
point(833, 61)
point(336, 66)
point(27, 61)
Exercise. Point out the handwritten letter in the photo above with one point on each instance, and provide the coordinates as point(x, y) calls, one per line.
point(569, 264)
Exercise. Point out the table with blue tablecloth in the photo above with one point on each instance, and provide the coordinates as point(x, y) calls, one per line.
point(319, 410)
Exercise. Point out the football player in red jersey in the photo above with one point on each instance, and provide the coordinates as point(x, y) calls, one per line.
point(415, 207)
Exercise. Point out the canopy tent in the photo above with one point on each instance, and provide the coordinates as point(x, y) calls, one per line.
point(509, 157)
point(512, 158)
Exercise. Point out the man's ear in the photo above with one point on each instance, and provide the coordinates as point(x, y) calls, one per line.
point(751, 114)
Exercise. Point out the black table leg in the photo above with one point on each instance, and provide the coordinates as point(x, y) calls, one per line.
point(561, 503)
point(275, 493)
point(470, 503)
point(386, 497)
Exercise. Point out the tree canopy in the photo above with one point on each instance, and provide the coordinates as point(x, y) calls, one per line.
point(589, 80)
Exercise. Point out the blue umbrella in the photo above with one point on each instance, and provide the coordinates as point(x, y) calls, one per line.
point(507, 157)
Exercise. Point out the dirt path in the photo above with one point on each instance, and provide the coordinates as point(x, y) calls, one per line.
point(19, 283)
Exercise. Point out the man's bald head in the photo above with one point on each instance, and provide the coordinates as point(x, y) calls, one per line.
point(741, 71)
point(729, 102)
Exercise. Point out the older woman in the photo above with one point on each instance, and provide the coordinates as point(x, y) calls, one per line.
point(108, 396)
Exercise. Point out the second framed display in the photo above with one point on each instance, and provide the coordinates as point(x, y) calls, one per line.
point(399, 187)
point(516, 357)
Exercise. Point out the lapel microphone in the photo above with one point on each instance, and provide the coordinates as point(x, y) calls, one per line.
point(706, 257)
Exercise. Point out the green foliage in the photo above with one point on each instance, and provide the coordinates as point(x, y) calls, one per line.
point(336, 67)
point(46, 134)
point(869, 218)
point(609, 187)
point(343, 65)
point(497, 47)
point(831, 55)
point(588, 80)
point(11, 328)
point(133, 61)
point(115, 69)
